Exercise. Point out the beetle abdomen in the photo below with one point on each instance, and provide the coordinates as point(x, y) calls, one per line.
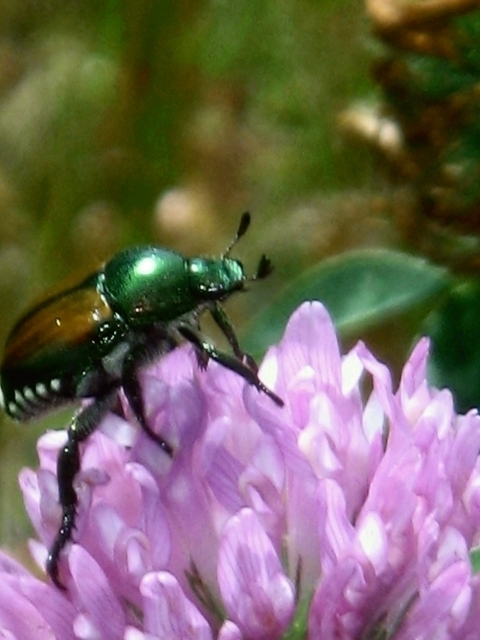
point(28, 401)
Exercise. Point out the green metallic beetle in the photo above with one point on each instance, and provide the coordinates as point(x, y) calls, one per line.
point(90, 339)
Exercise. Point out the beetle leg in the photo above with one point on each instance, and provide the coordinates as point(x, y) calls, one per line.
point(223, 322)
point(226, 360)
point(139, 354)
point(68, 465)
point(202, 359)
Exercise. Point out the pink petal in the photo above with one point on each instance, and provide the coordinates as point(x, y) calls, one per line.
point(258, 596)
point(169, 614)
point(95, 595)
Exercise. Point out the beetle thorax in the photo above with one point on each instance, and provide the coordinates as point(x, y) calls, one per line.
point(212, 279)
point(148, 285)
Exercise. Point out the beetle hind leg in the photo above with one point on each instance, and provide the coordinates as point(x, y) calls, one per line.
point(68, 465)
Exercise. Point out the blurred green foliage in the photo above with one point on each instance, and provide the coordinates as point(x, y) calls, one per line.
point(455, 358)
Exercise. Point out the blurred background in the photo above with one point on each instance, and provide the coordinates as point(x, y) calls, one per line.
point(350, 131)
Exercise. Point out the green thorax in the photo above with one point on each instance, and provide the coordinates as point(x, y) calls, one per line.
point(149, 285)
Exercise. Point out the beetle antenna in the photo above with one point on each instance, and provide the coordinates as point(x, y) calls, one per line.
point(265, 268)
point(242, 229)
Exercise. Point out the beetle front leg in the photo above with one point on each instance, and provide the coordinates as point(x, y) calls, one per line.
point(68, 465)
point(236, 365)
point(224, 324)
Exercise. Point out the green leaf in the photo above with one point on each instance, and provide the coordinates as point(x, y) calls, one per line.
point(299, 625)
point(475, 560)
point(360, 289)
point(455, 354)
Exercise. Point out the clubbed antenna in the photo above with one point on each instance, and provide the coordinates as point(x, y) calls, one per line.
point(242, 229)
point(265, 268)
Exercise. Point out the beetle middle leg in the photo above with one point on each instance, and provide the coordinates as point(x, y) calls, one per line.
point(68, 465)
point(208, 351)
point(140, 354)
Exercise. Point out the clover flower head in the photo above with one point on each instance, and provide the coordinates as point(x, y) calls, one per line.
point(348, 513)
